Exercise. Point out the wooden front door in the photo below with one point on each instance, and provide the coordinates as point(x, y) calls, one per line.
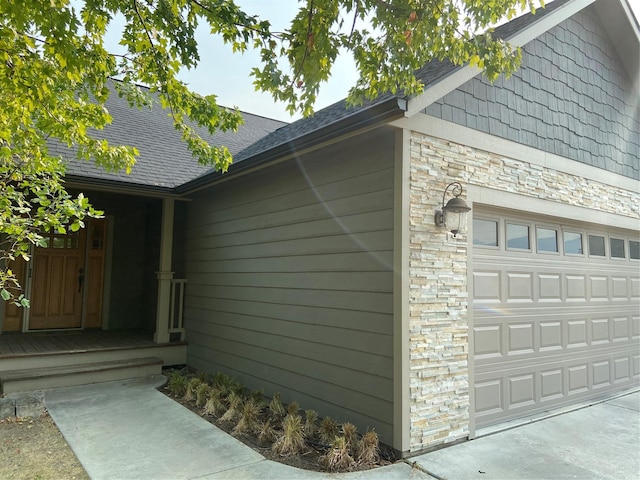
point(58, 282)
point(67, 282)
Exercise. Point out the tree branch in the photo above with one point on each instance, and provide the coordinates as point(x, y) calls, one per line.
point(306, 48)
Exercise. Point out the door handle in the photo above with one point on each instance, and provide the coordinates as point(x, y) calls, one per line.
point(80, 279)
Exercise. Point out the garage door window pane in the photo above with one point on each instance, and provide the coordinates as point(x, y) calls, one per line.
point(547, 240)
point(485, 232)
point(617, 247)
point(596, 245)
point(634, 249)
point(572, 243)
point(518, 236)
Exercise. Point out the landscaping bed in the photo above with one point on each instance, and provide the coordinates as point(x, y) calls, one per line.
point(283, 433)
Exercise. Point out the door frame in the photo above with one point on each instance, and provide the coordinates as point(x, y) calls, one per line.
point(27, 282)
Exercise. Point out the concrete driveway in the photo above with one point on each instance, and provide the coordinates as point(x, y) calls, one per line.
point(601, 441)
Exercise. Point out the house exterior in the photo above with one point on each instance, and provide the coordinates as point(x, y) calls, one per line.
point(314, 267)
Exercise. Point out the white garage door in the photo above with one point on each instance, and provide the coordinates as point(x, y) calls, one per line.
point(555, 313)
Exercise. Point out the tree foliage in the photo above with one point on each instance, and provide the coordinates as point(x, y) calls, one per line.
point(54, 68)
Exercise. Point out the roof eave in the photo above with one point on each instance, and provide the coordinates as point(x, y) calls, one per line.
point(366, 118)
point(115, 186)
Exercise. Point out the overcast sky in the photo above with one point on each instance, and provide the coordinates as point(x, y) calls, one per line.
point(227, 74)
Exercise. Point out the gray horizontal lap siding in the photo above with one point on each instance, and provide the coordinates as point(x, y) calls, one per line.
point(290, 281)
point(571, 97)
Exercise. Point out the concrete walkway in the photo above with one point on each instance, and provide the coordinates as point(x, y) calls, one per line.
point(128, 430)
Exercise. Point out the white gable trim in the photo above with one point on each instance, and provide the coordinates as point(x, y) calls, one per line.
point(547, 23)
point(463, 74)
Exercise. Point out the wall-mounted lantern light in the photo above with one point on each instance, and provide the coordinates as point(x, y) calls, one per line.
point(453, 215)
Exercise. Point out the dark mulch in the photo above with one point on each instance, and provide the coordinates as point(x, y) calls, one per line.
point(309, 459)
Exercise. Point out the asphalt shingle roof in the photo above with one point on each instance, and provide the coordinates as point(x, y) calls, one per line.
point(164, 159)
point(165, 162)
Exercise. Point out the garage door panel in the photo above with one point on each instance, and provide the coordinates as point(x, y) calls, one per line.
point(576, 333)
point(576, 286)
point(551, 330)
point(536, 334)
point(488, 341)
point(520, 390)
point(550, 287)
point(578, 379)
point(487, 287)
point(619, 288)
point(621, 329)
point(599, 331)
point(551, 384)
point(599, 288)
point(520, 339)
point(519, 287)
point(622, 369)
point(635, 287)
point(601, 373)
point(551, 337)
point(488, 395)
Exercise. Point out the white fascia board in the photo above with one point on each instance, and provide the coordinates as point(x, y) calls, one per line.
point(633, 21)
point(464, 74)
point(547, 23)
point(439, 89)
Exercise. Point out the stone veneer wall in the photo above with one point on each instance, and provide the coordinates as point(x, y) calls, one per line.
point(439, 347)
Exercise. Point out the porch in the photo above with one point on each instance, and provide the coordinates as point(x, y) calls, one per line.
point(39, 360)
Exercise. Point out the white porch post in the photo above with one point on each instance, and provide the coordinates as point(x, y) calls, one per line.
point(165, 275)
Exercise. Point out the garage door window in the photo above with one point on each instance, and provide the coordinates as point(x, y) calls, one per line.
point(485, 232)
point(596, 246)
point(547, 240)
point(617, 247)
point(518, 236)
point(634, 250)
point(572, 243)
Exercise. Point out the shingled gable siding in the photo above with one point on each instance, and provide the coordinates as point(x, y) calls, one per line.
point(439, 373)
point(571, 97)
point(290, 281)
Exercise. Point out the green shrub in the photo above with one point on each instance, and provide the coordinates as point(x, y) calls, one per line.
point(369, 448)
point(350, 434)
point(177, 384)
point(190, 392)
point(249, 418)
point(291, 442)
point(276, 409)
point(215, 404)
point(310, 423)
point(267, 433)
point(235, 407)
point(338, 457)
point(328, 430)
point(202, 394)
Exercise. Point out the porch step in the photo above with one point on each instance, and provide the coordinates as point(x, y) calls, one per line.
point(32, 379)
